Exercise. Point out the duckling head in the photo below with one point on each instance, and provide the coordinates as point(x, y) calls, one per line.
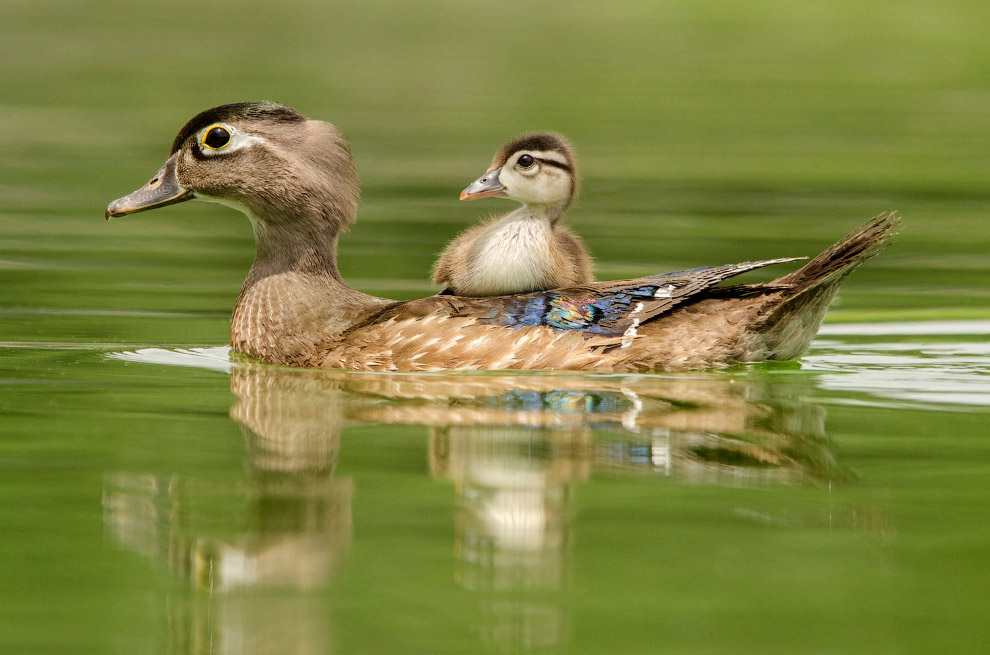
point(534, 169)
point(262, 158)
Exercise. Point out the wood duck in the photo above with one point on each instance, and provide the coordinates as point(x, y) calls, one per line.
point(295, 180)
point(527, 249)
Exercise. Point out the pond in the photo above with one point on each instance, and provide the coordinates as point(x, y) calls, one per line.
point(169, 501)
point(159, 498)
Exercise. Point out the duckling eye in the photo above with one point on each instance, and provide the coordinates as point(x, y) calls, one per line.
point(525, 161)
point(216, 138)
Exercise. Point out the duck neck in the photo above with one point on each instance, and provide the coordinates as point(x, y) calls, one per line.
point(547, 213)
point(293, 298)
point(305, 251)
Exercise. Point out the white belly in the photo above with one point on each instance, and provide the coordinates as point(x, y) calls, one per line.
point(513, 258)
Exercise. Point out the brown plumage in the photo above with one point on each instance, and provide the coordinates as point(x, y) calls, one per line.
point(296, 181)
point(527, 249)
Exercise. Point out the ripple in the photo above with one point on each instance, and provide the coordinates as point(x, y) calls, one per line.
point(215, 359)
point(918, 371)
point(921, 372)
point(930, 328)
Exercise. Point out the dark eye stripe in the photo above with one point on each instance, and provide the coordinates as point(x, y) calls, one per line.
point(552, 162)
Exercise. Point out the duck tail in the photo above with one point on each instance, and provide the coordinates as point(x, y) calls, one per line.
point(787, 329)
point(843, 257)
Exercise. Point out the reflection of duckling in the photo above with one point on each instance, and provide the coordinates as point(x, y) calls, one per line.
point(525, 250)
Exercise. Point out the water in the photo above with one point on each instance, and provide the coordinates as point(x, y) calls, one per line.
point(157, 498)
point(168, 500)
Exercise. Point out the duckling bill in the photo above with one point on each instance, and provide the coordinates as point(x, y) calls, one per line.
point(294, 178)
point(527, 249)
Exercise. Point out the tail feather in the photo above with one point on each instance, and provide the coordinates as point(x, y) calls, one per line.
point(787, 330)
point(845, 255)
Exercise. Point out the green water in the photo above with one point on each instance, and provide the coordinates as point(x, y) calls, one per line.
point(156, 499)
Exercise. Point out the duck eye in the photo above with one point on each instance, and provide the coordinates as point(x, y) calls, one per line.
point(216, 138)
point(525, 161)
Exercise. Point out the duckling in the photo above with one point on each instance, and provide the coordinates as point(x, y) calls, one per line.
point(527, 249)
point(295, 180)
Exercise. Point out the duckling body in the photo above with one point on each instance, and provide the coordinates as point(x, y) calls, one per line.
point(527, 249)
point(295, 179)
point(516, 253)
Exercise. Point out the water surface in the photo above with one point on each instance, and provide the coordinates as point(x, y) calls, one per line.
point(180, 503)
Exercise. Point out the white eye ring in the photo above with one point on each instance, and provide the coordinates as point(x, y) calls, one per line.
point(236, 141)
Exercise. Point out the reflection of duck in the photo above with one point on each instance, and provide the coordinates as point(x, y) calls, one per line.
point(514, 507)
point(298, 514)
point(515, 491)
point(295, 179)
point(517, 448)
point(694, 428)
point(527, 249)
point(287, 528)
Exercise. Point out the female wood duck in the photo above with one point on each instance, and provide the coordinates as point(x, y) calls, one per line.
point(525, 250)
point(295, 180)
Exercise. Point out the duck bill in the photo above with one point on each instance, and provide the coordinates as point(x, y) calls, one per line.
point(486, 186)
point(163, 189)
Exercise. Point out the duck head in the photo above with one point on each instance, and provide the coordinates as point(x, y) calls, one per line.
point(534, 169)
point(262, 158)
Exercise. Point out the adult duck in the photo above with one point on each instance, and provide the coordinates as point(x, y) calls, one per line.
point(295, 180)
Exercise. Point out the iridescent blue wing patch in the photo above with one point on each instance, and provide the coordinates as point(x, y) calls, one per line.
point(605, 308)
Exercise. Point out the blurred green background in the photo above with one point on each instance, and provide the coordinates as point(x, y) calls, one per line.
point(708, 132)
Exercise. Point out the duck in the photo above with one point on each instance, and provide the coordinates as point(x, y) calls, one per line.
point(295, 179)
point(527, 249)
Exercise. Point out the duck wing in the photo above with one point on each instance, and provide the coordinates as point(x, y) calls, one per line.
point(603, 308)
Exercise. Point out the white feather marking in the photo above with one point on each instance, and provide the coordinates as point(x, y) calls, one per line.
point(666, 291)
point(450, 343)
point(524, 339)
point(630, 333)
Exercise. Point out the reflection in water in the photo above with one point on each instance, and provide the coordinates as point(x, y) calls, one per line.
point(721, 431)
point(255, 553)
point(514, 504)
point(516, 448)
point(515, 485)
